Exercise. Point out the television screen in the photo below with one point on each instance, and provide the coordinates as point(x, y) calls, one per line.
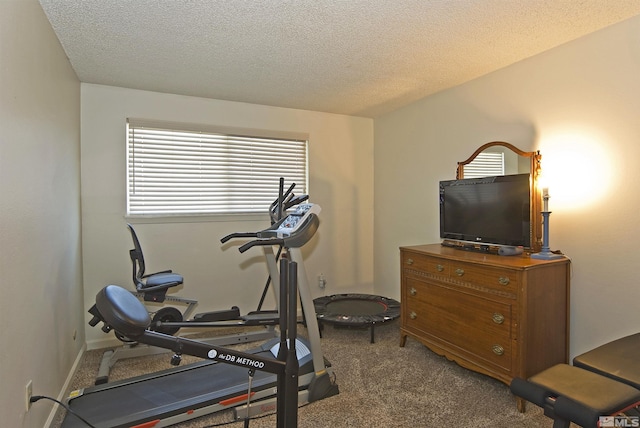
point(491, 210)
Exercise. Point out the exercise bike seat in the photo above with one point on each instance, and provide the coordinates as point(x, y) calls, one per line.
point(159, 280)
point(122, 311)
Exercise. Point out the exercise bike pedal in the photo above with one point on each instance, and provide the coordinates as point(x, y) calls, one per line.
point(221, 315)
point(261, 318)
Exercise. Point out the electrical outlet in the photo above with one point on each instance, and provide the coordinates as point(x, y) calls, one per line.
point(322, 282)
point(28, 390)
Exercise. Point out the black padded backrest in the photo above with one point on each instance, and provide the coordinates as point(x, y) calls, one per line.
point(137, 258)
point(122, 311)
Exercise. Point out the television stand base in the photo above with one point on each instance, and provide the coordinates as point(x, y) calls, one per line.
point(483, 248)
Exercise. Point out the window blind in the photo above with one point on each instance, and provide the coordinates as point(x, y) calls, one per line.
point(486, 164)
point(182, 170)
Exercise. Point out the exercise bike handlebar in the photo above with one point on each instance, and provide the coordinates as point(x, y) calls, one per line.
point(261, 242)
point(239, 235)
point(295, 200)
point(276, 210)
point(287, 237)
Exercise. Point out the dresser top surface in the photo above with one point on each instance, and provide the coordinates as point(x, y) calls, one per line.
point(519, 261)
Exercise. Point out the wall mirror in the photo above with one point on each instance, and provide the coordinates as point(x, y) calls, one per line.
point(516, 161)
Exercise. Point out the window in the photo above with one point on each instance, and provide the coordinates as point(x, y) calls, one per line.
point(486, 164)
point(178, 169)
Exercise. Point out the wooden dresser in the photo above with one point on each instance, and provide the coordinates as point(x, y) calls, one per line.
point(504, 316)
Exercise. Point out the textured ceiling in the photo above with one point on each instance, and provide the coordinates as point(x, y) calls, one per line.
point(355, 57)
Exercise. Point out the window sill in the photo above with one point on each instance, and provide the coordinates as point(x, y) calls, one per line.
point(195, 218)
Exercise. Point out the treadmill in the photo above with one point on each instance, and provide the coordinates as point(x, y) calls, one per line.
point(179, 394)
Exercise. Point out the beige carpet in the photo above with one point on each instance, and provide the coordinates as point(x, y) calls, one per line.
point(381, 385)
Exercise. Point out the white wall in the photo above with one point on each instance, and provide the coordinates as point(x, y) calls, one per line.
point(40, 268)
point(341, 182)
point(578, 104)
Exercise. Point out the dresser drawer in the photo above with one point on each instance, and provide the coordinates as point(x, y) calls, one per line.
point(425, 264)
point(498, 279)
point(477, 326)
point(435, 304)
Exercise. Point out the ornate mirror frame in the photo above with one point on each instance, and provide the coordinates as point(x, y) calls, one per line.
point(535, 204)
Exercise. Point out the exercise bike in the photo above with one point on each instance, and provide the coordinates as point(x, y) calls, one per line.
point(153, 288)
point(171, 322)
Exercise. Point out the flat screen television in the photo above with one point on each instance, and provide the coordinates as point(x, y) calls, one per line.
point(491, 210)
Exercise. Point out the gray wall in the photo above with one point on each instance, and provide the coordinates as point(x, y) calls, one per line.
point(41, 311)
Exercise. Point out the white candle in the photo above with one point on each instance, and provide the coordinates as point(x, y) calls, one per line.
point(545, 199)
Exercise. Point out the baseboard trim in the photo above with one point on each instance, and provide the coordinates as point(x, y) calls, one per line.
point(62, 395)
point(110, 342)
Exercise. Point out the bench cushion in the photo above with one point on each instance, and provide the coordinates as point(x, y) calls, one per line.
point(583, 396)
point(619, 360)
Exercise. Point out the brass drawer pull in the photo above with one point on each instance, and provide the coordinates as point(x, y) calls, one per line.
point(409, 261)
point(413, 315)
point(413, 291)
point(497, 349)
point(498, 318)
point(503, 280)
point(439, 268)
point(459, 271)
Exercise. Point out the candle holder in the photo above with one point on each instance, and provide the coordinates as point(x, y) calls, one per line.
point(545, 252)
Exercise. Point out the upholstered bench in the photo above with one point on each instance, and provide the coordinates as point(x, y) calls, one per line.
point(619, 360)
point(572, 394)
